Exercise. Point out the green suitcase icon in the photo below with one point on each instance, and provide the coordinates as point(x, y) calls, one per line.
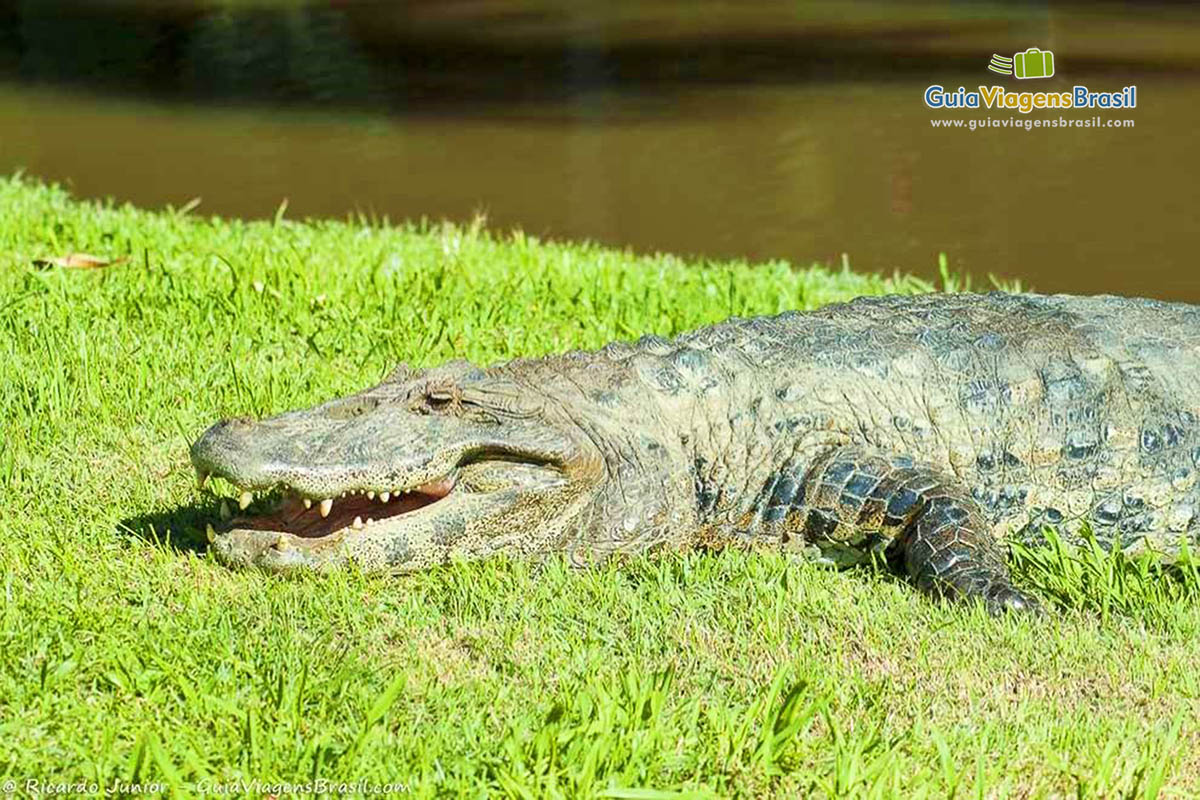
point(1033, 63)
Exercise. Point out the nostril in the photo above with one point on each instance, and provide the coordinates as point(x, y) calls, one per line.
point(220, 435)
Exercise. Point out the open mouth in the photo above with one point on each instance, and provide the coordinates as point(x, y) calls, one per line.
point(282, 510)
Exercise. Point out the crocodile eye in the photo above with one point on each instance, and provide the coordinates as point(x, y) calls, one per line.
point(439, 401)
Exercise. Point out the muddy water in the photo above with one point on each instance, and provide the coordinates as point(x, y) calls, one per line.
point(747, 130)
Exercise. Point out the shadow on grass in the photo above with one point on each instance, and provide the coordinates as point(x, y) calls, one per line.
point(1085, 577)
point(180, 529)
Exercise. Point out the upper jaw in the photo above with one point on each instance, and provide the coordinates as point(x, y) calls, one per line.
point(301, 463)
point(318, 482)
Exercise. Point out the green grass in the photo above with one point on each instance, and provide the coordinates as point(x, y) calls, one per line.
point(127, 653)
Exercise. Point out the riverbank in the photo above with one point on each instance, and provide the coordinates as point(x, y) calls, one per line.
point(130, 656)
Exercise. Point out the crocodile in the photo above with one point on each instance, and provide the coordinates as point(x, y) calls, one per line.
point(922, 433)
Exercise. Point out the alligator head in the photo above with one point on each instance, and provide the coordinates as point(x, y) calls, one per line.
point(452, 461)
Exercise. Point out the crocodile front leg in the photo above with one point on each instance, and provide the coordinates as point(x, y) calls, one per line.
point(859, 502)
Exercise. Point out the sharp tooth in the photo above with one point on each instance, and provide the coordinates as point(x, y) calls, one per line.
point(326, 505)
point(226, 512)
point(201, 478)
point(245, 500)
point(385, 496)
point(307, 503)
point(210, 533)
point(358, 523)
point(370, 521)
point(370, 495)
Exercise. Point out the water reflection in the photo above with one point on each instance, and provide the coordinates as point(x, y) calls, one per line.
point(750, 130)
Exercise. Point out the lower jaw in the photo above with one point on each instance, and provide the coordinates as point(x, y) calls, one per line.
point(277, 551)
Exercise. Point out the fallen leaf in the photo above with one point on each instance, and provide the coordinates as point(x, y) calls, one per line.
point(79, 261)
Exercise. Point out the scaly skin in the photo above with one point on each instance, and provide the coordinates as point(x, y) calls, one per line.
point(925, 430)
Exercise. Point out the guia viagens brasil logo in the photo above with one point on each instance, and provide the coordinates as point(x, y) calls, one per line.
point(1029, 64)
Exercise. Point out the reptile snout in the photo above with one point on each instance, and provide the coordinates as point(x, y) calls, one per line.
point(225, 442)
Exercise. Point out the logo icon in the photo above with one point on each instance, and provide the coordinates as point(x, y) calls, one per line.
point(1033, 63)
point(1001, 64)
